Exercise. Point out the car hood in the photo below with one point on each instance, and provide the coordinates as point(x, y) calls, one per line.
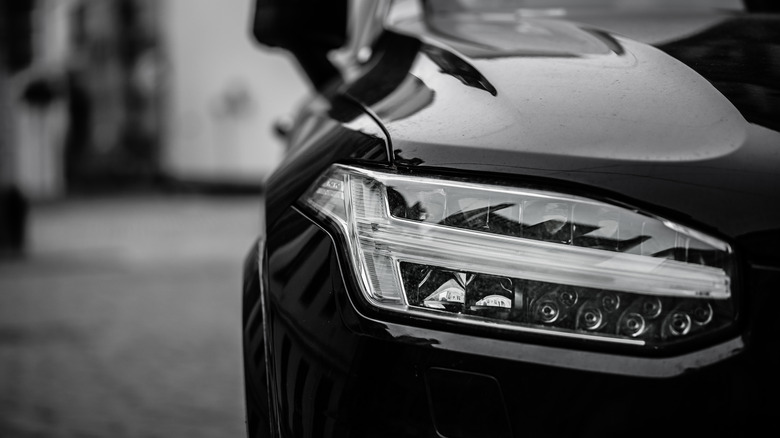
point(636, 104)
point(562, 100)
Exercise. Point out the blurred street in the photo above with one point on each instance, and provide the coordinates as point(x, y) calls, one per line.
point(123, 319)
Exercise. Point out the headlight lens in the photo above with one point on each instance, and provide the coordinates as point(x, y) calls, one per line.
point(525, 260)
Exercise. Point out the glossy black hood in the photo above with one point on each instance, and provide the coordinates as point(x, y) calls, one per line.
point(558, 100)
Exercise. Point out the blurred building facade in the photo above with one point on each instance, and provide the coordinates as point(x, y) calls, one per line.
point(102, 92)
point(224, 92)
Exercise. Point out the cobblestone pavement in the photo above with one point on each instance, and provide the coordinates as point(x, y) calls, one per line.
point(123, 320)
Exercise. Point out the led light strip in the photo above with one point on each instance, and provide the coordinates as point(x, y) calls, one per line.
point(404, 240)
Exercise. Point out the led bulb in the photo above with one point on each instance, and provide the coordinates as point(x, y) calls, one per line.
point(632, 324)
point(590, 317)
point(677, 324)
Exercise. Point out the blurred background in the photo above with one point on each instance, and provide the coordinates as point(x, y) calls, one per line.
point(134, 139)
point(130, 91)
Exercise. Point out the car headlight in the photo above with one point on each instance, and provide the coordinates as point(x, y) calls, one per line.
point(524, 259)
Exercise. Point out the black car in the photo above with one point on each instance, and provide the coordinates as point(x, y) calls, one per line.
point(522, 219)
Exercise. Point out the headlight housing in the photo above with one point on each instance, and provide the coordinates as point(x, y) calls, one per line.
point(526, 260)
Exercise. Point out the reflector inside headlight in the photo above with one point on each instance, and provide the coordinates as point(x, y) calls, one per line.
point(525, 260)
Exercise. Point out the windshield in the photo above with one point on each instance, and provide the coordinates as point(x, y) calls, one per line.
point(489, 28)
point(559, 7)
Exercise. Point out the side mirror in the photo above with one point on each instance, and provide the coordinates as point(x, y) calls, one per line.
point(308, 29)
